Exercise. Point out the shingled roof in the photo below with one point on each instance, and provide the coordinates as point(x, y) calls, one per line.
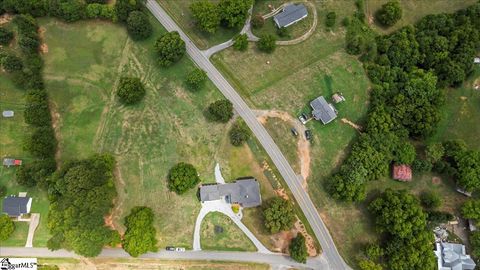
point(290, 14)
point(245, 192)
point(16, 206)
point(322, 110)
point(402, 172)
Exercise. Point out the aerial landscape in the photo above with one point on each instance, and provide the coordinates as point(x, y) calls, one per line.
point(240, 134)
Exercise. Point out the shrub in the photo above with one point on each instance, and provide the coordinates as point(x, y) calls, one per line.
point(430, 200)
point(278, 215)
point(233, 13)
point(330, 19)
point(258, 21)
point(140, 236)
point(298, 249)
point(220, 111)
point(36, 173)
point(434, 152)
point(11, 63)
point(389, 13)
point(99, 11)
point(436, 218)
point(130, 90)
point(3, 191)
point(283, 32)
point(138, 26)
point(421, 166)
point(239, 133)
point(196, 79)
point(404, 153)
point(6, 36)
point(29, 45)
point(241, 42)
point(37, 111)
point(170, 48)
point(267, 43)
point(6, 227)
point(182, 177)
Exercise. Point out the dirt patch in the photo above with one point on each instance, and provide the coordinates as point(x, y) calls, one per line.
point(5, 18)
point(352, 124)
point(56, 125)
point(44, 48)
point(436, 180)
point(41, 34)
point(282, 240)
point(309, 242)
point(463, 98)
point(282, 193)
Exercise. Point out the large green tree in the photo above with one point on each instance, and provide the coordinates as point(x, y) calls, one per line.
point(468, 170)
point(182, 177)
point(140, 234)
point(239, 133)
point(278, 215)
point(471, 209)
point(206, 15)
point(233, 13)
point(196, 79)
point(298, 249)
point(138, 25)
point(124, 7)
point(6, 227)
point(170, 48)
point(220, 111)
point(389, 13)
point(241, 42)
point(267, 43)
point(130, 90)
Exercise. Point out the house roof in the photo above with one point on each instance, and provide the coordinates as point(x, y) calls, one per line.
point(245, 192)
point(476, 60)
point(402, 172)
point(8, 113)
point(15, 206)
point(322, 110)
point(290, 14)
point(8, 161)
point(453, 256)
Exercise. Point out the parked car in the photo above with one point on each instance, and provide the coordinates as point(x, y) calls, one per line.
point(170, 248)
point(294, 131)
point(180, 249)
point(308, 134)
point(302, 118)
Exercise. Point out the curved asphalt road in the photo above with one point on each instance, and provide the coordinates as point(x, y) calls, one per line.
point(330, 252)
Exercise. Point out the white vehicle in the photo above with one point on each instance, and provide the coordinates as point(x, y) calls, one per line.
point(303, 118)
point(180, 249)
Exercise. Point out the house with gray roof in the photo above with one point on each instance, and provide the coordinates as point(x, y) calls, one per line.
point(290, 14)
point(16, 206)
point(322, 110)
point(452, 256)
point(245, 192)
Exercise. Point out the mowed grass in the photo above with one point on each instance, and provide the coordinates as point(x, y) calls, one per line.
point(219, 232)
point(84, 62)
point(413, 10)
point(18, 237)
point(179, 10)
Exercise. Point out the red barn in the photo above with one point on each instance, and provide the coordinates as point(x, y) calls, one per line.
point(402, 173)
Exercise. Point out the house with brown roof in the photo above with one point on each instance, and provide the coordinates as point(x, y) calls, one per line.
point(402, 173)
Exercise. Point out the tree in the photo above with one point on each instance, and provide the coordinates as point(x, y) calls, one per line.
point(36, 173)
point(468, 170)
point(5, 36)
point(124, 7)
point(42, 143)
point(130, 90)
point(37, 111)
point(6, 227)
point(430, 200)
point(298, 249)
point(471, 209)
point(239, 133)
point(3, 191)
point(11, 63)
point(233, 13)
point(170, 48)
point(241, 42)
point(220, 111)
point(196, 79)
point(475, 243)
point(331, 19)
point(257, 21)
point(421, 166)
point(374, 252)
point(405, 153)
point(206, 15)
point(140, 234)
point(389, 13)
point(267, 43)
point(366, 264)
point(278, 215)
point(29, 45)
point(138, 25)
point(434, 152)
point(182, 177)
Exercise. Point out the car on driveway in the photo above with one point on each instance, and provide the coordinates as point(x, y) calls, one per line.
point(170, 248)
point(308, 134)
point(303, 118)
point(180, 249)
point(294, 131)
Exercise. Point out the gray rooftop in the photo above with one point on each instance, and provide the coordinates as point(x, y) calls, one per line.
point(15, 206)
point(453, 257)
point(8, 113)
point(322, 110)
point(8, 162)
point(245, 192)
point(290, 14)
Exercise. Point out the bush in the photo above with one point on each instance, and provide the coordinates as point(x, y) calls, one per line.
point(278, 215)
point(29, 45)
point(6, 36)
point(130, 90)
point(241, 42)
point(6, 227)
point(70, 11)
point(389, 13)
point(11, 63)
point(3, 191)
point(298, 249)
point(331, 19)
point(36, 173)
point(233, 13)
point(182, 177)
point(421, 166)
point(267, 43)
point(196, 79)
point(404, 153)
point(434, 152)
point(220, 111)
point(258, 21)
point(138, 26)
point(140, 236)
point(170, 48)
point(99, 11)
point(283, 32)
point(239, 133)
point(430, 200)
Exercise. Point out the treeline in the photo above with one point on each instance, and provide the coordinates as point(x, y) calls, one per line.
point(210, 16)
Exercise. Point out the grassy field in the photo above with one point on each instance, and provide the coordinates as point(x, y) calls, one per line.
point(83, 65)
point(147, 264)
point(219, 232)
point(18, 237)
point(179, 10)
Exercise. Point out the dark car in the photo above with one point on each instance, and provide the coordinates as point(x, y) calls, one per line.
point(170, 248)
point(308, 134)
point(294, 131)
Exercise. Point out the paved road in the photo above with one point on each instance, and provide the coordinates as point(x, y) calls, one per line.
point(275, 260)
point(330, 252)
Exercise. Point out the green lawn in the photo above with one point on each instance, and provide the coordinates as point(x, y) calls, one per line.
point(18, 237)
point(179, 10)
point(219, 232)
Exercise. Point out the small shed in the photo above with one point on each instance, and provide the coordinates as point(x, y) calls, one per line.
point(338, 97)
point(8, 114)
point(290, 14)
point(476, 60)
point(402, 173)
point(11, 162)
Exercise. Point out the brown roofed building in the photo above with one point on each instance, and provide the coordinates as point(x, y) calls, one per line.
point(402, 173)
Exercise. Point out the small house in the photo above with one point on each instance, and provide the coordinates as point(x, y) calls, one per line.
point(16, 206)
point(8, 114)
point(452, 256)
point(8, 162)
point(322, 110)
point(338, 97)
point(290, 14)
point(245, 192)
point(476, 60)
point(402, 173)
